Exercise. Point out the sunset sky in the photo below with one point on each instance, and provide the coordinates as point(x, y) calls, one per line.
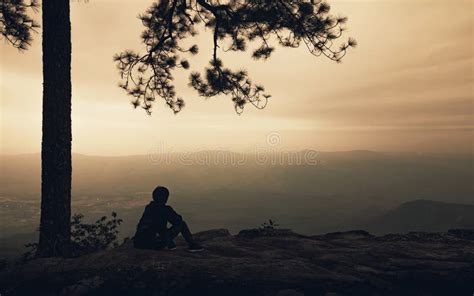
point(408, 86)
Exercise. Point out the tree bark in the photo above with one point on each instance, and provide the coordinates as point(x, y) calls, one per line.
point(56, 168)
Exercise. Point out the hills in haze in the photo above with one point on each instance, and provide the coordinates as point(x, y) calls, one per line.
point(424, 215)
point(308, 192)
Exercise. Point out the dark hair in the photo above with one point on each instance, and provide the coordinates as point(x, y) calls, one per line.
point(160, 194)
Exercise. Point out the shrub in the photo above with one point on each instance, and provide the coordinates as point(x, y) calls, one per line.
point(270, 225)
point(87, 238)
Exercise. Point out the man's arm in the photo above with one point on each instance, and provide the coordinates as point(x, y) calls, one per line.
point(172, 216)
point(147, 220)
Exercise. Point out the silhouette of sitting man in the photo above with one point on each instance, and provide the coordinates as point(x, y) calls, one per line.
point(152, 230)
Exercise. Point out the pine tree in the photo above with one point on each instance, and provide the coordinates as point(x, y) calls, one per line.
point(56, 168)
point(290, 23)
point(148, 76)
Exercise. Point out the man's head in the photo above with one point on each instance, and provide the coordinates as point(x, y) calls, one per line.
point(160, 195)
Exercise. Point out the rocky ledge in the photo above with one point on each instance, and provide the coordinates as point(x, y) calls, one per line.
point(263, 262)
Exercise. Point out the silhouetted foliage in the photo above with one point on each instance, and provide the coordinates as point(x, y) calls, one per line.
point(270, 225)
point(87, 238)
point(146, 76)
point(15, 24)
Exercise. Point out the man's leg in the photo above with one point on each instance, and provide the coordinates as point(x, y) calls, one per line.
point(186, 233)
point(178, 228)
point(147, 242)
point(182, 228)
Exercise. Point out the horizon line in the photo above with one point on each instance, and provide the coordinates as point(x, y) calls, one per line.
point(249, 152)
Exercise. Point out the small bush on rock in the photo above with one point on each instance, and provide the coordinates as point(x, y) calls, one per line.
point(270, 225)
point(89, 238)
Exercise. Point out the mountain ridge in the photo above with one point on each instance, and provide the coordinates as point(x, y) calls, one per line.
point(424, 215)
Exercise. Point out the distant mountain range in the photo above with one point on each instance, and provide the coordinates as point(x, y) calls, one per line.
point(362, 177)
point(424, 215)
point(332, 191)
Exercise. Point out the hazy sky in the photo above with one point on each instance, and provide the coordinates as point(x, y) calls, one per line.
point(407, 86)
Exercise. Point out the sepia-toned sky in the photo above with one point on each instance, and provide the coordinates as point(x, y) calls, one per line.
point(408, 86)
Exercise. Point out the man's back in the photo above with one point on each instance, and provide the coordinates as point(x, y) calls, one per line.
point(156, 217)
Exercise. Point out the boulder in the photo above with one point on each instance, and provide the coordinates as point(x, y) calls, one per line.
point(255, 263)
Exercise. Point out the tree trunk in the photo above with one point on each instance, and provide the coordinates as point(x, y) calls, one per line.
point(56, 145)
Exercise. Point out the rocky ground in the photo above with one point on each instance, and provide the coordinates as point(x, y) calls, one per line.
point(263, 262)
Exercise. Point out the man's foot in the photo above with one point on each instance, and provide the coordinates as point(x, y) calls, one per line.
point(171, 246)
point(195, 248)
